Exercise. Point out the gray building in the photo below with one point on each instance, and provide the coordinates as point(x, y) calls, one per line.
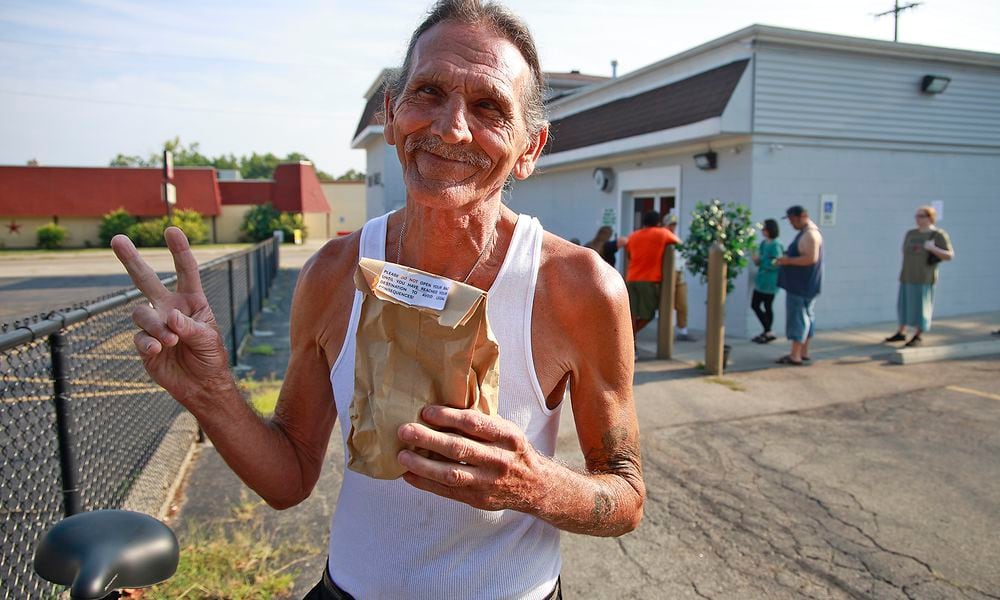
point(856, 130)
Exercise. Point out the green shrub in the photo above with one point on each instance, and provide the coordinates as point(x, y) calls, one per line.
point(148, 234)
point(192, 224)
point(51, 236)
point(729, 224)
point(288, 222)
point(256, 225)
point(261, 221)
point(113, 223)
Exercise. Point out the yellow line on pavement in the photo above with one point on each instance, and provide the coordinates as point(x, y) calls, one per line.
point(104, 382)
point(963, 390)
point(96, 356)
point(80, 395)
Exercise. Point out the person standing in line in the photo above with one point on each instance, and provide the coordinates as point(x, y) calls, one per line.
point(680, 288)
point(800, 276)
point(645, 268)
point(765, 284)
point(604, 245)
point(923, 249)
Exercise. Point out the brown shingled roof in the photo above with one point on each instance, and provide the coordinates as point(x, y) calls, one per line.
point(683, 102)
point(372, 114)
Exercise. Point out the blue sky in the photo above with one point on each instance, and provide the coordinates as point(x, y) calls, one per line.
point(81, 81)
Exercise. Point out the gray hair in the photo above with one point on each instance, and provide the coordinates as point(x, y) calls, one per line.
point(506, 24)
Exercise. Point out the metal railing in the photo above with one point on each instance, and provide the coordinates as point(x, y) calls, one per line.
point(83, 427)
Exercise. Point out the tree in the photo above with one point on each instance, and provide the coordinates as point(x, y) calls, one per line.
point(255, 166)
point(729, 224)
point(129, 160)
point(351, 175)
point(259, 166)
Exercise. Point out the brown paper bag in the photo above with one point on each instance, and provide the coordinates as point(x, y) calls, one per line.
point(422, 339)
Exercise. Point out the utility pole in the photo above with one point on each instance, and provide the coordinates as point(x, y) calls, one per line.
point(895, 13)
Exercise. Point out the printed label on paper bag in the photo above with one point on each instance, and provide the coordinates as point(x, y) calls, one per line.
point(413, 288)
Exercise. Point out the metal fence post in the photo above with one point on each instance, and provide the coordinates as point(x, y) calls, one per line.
point(250, 310)
point(276, 258)
point(232, 315)
point(67, 459)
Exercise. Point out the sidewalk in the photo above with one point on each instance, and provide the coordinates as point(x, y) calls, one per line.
point(950, 337)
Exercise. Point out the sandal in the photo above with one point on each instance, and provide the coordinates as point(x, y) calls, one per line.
point(787, 360)
point(898, 337)
point(760, 339)
point(769, 338)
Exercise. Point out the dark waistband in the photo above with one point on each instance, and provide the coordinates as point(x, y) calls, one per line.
point(335, 593)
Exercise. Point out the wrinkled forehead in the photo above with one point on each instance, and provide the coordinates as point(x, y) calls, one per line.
point(469, 55)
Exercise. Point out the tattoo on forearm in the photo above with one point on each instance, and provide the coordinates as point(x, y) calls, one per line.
point(604, 507)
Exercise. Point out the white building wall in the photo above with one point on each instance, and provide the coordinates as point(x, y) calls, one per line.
point(384, 189)
point(392, 180)
point(815, 92)
point(568, 205)
point(374, 177)
point(878, 190)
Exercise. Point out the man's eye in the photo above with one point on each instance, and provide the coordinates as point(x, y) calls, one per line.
point(428, 89)
point(488, 105)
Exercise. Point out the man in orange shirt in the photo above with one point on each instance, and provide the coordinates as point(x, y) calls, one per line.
point(645, 268)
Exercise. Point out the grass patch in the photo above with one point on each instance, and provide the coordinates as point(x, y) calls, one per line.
point(262, 394)
point(261, 350)
point(729, 383)
point(236, 563)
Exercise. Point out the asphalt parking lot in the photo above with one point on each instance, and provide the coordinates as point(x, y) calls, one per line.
point(851, 481)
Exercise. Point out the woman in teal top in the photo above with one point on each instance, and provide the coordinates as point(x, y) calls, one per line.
point(765, 284)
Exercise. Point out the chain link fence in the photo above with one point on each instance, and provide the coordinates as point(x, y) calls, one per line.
point(83, 427)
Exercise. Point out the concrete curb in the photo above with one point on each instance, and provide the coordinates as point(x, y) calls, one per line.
point(909, 356)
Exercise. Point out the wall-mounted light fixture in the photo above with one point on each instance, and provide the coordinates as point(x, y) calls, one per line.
point(706, 161)
point(934, 84)
point(604, 179)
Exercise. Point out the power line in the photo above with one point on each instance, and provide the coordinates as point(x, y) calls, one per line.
point(171, 56)
point(229, 111)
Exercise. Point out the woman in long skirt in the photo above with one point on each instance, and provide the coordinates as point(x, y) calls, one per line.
point(923, 249)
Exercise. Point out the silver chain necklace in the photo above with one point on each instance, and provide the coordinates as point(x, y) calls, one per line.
point(482, 253)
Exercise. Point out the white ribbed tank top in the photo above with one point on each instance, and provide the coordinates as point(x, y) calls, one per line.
point(391, 540)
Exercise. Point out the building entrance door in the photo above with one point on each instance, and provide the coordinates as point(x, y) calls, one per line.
point(663, 202)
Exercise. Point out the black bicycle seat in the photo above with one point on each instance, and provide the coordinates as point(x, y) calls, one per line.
point(96, 553)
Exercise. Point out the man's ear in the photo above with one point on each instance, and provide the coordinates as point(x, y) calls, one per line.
point(525, 164)
point(387, 133)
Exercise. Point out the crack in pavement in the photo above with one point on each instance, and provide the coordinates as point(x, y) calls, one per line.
point(774, 527)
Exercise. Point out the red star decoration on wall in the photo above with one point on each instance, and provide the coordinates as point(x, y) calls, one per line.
point(13, 227)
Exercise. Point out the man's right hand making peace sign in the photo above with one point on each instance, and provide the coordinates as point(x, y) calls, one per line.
point(179, 341)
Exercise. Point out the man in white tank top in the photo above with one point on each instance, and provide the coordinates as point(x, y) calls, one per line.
point(481, 520)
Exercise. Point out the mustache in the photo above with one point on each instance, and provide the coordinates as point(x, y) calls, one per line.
point(434, 145)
